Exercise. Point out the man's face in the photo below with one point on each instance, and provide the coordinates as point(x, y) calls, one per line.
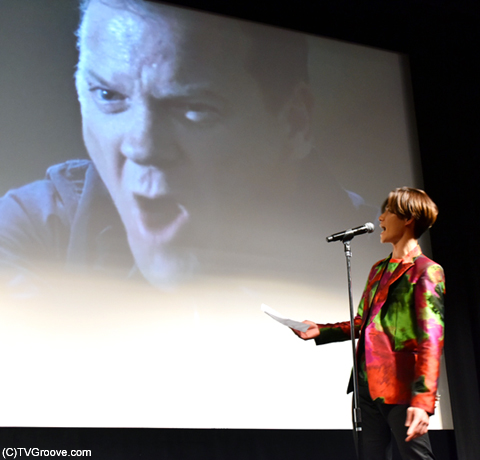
point(179, 132)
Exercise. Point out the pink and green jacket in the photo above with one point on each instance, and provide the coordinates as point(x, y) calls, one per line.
point(401, 320)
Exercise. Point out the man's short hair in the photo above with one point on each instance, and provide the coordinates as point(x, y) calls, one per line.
point(277, 59)
point(407, 202)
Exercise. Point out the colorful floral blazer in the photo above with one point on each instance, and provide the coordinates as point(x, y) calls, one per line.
point(401, 320)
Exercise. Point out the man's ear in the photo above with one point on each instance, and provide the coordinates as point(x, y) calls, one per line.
point(297, 117)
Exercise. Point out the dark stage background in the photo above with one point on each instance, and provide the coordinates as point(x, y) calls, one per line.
point(440, 37)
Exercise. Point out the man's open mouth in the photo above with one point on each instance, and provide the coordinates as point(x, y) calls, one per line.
point(162, 216)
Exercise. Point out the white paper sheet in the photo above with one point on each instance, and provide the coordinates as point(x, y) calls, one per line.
point(299, 326)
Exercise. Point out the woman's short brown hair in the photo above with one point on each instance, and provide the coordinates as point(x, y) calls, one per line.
point(406, 202)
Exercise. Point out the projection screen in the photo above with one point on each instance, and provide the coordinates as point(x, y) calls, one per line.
point(164, 180)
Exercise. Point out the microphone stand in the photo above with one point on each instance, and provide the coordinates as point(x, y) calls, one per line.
point(356, 412)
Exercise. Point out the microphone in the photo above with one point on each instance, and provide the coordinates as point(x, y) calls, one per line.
point(347, 235)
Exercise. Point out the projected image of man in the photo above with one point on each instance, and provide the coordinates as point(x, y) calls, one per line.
point(200, 131)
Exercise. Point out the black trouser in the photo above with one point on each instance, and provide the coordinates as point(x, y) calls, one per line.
point(379, 422)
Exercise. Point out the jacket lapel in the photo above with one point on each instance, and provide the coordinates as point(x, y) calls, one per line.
point(379, 296)
point(372, 289)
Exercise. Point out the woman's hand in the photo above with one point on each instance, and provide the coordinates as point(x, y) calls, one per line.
point(312, 332)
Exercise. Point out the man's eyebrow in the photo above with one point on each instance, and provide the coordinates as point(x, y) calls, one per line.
point(184, 92)
point(97, 77)
point(175, 91)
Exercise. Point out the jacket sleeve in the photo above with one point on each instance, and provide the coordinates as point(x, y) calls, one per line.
point(429, 309)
